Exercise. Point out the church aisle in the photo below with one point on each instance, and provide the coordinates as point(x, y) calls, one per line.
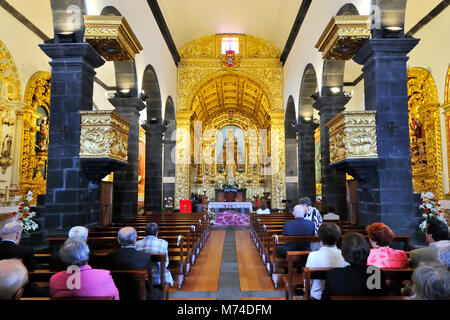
point(204, 275)
point(253, 275)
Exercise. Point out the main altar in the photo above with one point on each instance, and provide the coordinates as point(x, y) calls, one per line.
point(230, 118)
point(230, 176)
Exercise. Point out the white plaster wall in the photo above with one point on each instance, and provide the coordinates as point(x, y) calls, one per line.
point(432, 53)
point(23, 46)
point(155, 53)
point(304, 51)
point(357, 101)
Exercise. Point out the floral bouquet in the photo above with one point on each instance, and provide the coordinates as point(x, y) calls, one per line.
point(212, 216)
point(23, 216)
point(431, 209)
point(168, 203)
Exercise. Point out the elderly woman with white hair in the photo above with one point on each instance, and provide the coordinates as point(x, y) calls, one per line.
point(13, 278)
point(57, 264)
point(83, 281)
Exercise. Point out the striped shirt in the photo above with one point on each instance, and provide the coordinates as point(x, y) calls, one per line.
point(152, 244)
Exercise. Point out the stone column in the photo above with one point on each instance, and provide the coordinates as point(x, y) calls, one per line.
point(291, 170)
point(73, 198)
point(153, 165)
point(306, 160)
point(386, 195)
point(169, 169)
point(125, 198)
point(333, 180)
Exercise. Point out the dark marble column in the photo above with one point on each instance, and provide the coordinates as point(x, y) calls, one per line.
point(125, 198)
point(169, 168)
point(73, 198)
point(386, 193)
point(333, 180)
point(306, 160)
point(291, 169)
point(153, 166)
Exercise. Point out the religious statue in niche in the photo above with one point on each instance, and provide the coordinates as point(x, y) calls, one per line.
point(6, 146)
point(5, 159)
point(418, 144)
point(231, 159)
point(41, 140)
point(417, 130)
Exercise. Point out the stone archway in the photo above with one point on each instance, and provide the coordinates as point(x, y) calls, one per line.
point(291, 151)
point(169, 149)
point(306, 128)
point(258, 62)
point(154, 137)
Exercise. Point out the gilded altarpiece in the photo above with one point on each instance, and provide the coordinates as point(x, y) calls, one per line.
point(10, 124)
point(446, 107)
point(425, 132)
point(255, 82)
point(35, 134)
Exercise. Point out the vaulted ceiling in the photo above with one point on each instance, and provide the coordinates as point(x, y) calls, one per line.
point(268, 19)
point(232, 94)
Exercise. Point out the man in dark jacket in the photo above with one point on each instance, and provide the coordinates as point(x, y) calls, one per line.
point(10, 248)
point(127, 257)
point(296, 227)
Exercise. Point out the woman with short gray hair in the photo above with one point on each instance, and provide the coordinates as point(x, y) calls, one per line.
point(75, 251)
point(81, 280)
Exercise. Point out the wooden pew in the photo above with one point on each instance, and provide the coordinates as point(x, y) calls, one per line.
point(397, 274)
point(296, 259)
point(139, 275)
point(104, 245)
point(277, 265)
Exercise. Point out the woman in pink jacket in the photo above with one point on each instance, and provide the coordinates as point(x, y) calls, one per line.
point(80, 280)
point(381, 255)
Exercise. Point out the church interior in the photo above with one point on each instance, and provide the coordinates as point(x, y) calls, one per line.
point(195, 115)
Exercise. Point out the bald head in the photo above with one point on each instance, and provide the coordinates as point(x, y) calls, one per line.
point(12, 231)
point(13, 277)
point(127, 236)
point(299, 211)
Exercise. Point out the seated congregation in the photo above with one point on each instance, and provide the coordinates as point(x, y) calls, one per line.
point(315, 258)
point(135, 265)
point(328, 259)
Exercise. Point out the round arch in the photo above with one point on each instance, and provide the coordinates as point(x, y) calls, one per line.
point(306, 129)
point(125, 71)
point(425, 132)
point(291, 151)
point(169, 149)
point(308, 87)
point(154, 141)
point(150, 87)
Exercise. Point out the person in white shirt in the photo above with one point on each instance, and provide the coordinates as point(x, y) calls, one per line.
point(263, 208)
point(327, 256)
point(331, 215)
